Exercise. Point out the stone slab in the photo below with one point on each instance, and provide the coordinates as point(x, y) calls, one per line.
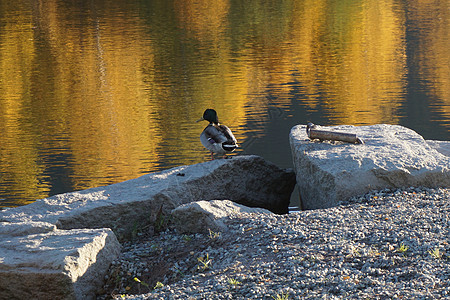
point(24, 228)
point(391, 156)
point(249, 180)
point(60, 264)
point(39, 261)
point(51, 249)
point(201, 216)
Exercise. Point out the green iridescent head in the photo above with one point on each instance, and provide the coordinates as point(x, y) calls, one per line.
point(211, 116)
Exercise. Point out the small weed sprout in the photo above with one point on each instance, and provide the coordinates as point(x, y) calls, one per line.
point(213, 235)
point(436, 253)
point(297, 258)
point(134, 231)
point(402, 249)
point(179, 272)
point(354, 252)
point(158, 285)
point(233, 282)
point(141, 282)
point(204, 263)
point(187, 238)
point(160, 223)
point(282, 296)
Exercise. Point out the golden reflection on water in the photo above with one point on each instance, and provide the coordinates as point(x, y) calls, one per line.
point(98, 92)
point(432, 51)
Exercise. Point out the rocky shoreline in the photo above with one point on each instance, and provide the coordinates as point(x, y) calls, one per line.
point(386, 244)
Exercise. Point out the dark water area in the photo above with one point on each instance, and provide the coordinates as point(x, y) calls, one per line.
point(97, 92)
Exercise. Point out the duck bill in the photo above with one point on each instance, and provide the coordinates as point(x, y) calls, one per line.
point(201, 119)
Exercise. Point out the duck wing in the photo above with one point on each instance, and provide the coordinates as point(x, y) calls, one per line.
point(214, 134)
point(230, 139)
point(230, 144)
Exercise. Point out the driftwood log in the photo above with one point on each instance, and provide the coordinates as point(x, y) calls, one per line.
point(314, 133)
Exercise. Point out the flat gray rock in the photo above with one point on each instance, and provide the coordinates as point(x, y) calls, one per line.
point(391, 156)
point(248, 180)
point(58, 247)
point(201, 216)
point(60, 264)
point(24, 228)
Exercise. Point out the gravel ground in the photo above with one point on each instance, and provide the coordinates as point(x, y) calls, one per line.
point(389, 244)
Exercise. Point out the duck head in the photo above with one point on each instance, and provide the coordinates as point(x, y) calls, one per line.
point(210, 115)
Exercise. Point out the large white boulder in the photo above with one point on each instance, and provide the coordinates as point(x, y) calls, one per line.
point(59, 264)
point(391, 156)
point(201, 216)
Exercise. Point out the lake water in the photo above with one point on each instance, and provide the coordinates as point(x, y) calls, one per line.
point(97, 92)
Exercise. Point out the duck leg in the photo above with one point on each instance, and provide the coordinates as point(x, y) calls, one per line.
point(212, 156)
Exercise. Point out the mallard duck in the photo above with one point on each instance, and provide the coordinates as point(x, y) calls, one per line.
point(215, 137)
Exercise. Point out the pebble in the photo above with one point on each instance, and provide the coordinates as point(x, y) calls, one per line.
point(387, 244)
